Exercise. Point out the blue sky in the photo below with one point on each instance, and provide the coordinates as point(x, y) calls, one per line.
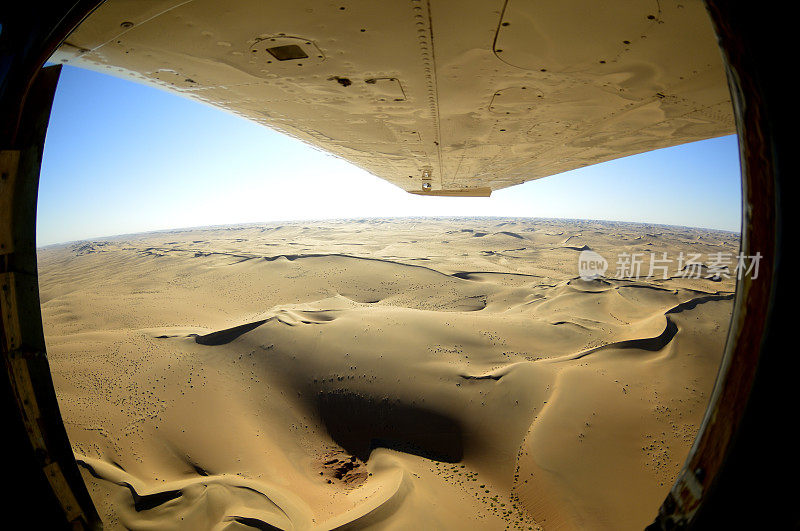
point(122, 158)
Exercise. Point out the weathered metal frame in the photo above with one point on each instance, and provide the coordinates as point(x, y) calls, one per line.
point(48, 491)
point(727, 476)
point(23, 347)
point(733, 474)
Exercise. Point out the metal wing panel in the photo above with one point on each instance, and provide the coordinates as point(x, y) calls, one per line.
point(439, 97)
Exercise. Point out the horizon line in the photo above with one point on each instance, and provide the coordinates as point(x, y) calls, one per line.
point(364, 218)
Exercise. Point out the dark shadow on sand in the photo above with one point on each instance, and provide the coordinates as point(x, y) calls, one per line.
point(361, 423)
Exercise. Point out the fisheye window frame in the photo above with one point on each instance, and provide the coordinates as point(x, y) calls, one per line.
point(727, 470)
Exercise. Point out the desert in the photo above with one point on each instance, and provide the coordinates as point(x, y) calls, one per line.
point(436, 373)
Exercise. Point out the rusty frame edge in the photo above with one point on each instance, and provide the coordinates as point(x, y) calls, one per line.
point(50, 491)
point(728, 479)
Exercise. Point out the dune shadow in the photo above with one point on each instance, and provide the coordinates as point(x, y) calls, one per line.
point(512, 234)
point(223, 337)
point(255, 523)
point(360, 424)
point(141, 502)
point(649, 344)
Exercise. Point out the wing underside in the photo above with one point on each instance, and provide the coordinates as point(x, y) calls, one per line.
point(439, 97)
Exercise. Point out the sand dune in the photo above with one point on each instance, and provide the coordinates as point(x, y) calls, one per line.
point(381, 373)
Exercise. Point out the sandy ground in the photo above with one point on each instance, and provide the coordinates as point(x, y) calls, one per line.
point(427, 374)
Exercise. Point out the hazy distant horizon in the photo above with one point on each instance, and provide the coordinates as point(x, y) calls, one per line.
point(122, 158)
point(375, 218)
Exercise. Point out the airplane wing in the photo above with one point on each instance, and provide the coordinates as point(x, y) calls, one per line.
point(440, 97)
